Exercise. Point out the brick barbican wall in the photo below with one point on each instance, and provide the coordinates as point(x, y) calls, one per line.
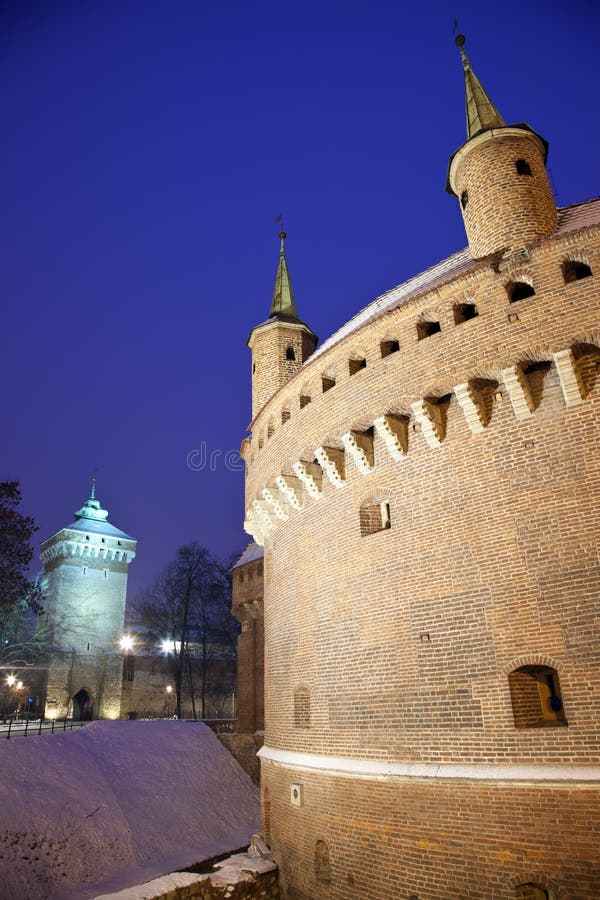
point(404, 639)
point(248, 589)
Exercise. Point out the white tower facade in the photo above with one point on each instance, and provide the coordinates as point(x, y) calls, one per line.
point(85, 567)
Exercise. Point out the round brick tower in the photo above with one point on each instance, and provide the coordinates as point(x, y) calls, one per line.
point(281, 344)
point(431, 580)
point(499, 176)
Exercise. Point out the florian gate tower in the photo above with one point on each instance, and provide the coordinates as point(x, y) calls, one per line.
point(85, 567)
point(426, 487)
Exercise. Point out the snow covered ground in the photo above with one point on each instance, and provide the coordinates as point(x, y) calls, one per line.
point(116, 803)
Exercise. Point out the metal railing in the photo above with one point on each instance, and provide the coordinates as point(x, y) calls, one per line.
point(15, 727)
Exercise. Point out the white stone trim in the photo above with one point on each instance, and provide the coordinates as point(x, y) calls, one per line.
point(332, 463)
point(350, 440)
point(472, 405)
point(429, 416)
point(517, 386)
point(273, 501)
point(290, 487)
point(570, 377)
point(383, 768)
point(303, 471)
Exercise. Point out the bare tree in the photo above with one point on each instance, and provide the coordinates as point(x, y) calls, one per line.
point(189, 604)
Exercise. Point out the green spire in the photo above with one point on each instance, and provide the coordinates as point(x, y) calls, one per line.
point(481, 112)
point(91, 509)
point(283, 303)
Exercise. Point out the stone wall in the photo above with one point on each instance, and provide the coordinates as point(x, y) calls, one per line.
point(240, 877)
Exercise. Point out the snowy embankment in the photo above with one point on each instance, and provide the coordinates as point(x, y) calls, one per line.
point(115, 804)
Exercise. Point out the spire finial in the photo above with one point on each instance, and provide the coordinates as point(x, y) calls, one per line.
point(282, 236)
point(481, 112)
point(93, 494)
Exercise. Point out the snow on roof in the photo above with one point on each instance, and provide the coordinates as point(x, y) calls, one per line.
point(115, 804)
point(94, 526)
point(570, 218)
point(252, 552)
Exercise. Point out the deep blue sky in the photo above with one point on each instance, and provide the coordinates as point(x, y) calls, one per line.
point(146, 148)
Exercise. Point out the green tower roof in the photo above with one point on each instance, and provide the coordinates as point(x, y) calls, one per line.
point(283, 303)
point(481, 112)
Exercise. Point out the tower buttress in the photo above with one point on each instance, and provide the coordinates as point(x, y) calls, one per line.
point(281, 344)
point(499, 176)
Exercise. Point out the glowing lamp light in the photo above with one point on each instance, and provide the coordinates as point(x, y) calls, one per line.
point(19, 685)
point(126, 643)
point(169, 689)
point(10, 680)
point(166, 645)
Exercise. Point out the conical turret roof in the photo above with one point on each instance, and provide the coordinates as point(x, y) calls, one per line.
point(283, 302)
point(482, 114)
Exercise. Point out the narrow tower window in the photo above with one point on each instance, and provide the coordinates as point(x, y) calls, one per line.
point(464, 311)
point(464, 199)
point(356, 364)
point(574, 270)
point(388, 347)
point(301, 708)
point(519, 290)
point(289, 353)
point(523, 167)
point(426, 328)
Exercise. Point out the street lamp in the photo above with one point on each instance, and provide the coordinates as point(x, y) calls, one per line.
point(126, 643)
point(169, 690)
point(11, 680)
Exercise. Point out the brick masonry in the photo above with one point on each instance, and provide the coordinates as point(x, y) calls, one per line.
point(392, 648)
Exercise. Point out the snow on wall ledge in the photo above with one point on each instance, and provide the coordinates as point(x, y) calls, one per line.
point(116, 804)
point(239, 877)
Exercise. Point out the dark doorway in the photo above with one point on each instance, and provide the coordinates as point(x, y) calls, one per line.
point(83, 707)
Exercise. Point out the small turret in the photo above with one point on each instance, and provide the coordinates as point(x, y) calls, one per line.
point(281, 344)
point(499, 176)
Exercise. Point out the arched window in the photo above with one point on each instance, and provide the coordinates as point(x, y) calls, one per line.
point(536, 697)
point(374, 516)
point(574, 270)
point(523, 167)
point(519, 290)
point(322, 862)
point(302, 707)
point(531, 891)
point(289, 353)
